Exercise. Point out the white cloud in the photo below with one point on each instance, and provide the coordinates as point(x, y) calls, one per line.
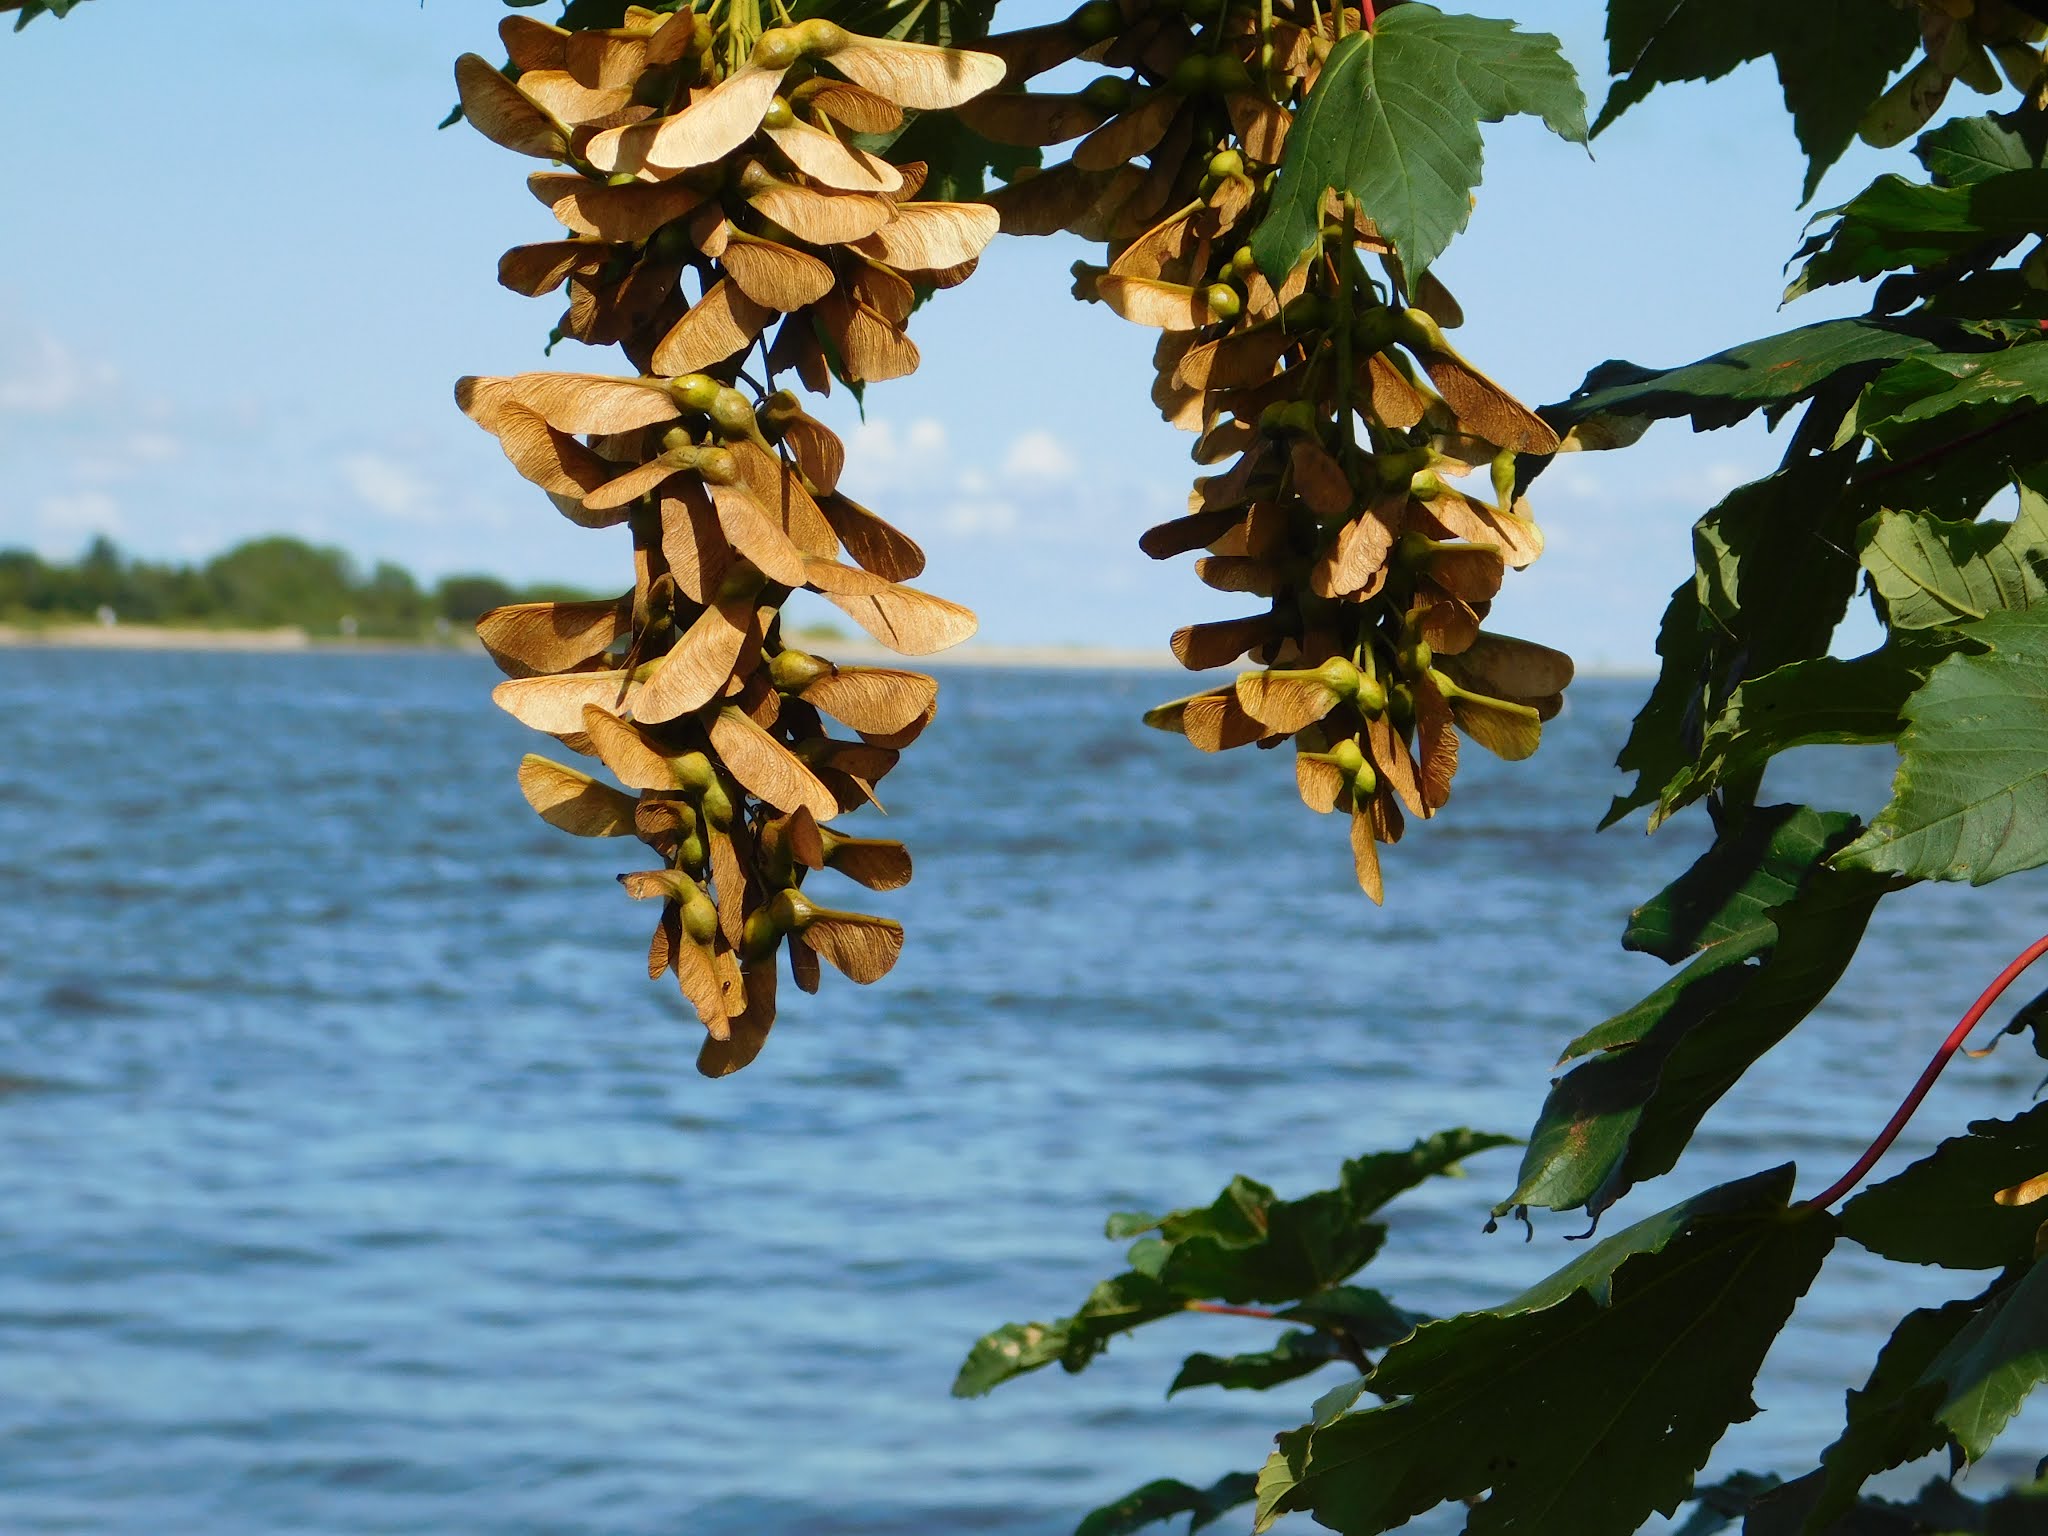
point(386, 486)
point(1038, 456)
point(79, 512)
point(880, 456)
point(41, 376)
point(977, 516)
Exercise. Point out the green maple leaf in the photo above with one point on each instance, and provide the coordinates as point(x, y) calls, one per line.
point(1833, 57)
point(1585, 1404)
point(1394, 119)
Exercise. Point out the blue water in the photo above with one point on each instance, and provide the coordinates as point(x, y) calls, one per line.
point(356, 1182)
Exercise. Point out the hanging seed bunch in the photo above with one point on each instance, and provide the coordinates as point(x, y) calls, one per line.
point(1350, 423)
point(1968, 40)
point(706, 178)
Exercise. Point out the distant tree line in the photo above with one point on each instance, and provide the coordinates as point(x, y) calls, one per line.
point(261, 584)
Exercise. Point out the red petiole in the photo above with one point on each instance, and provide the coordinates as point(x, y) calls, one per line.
point(1949, 1047)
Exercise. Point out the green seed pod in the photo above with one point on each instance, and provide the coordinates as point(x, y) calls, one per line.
point(760, 937)
point(1365, 783)
point(777, 412)
point(671, 242)
point(1228, 75)
point(716, 805)
point(778, 114)
point(695, 391)
point(1504, 479)
point(778, 48)
point(820, 37)
point(1346, 758)
point(690, 854)
point(700, 918)
point(1372, 698)
point(732, 414)
point(1401, 706)
point(694, 772)
point(1304, 312)
point(1273, 419)
point(1299, 416)
point(717, 466)
point(794, 671)
point(1190, 76)
point(677, 440)
point(1222, 301)
point(1106, 93)
point(1414, 658)
point(620, 179)
point(1226, 163)
point(1097, 21)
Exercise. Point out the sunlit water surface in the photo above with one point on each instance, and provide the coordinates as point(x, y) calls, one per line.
point(357, 1181)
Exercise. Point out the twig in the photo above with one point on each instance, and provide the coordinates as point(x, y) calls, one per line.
point(1949, 1047)
point(1223, 1311)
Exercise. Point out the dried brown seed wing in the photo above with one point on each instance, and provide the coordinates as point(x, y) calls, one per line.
point(623, 750)
point(572, 801)
point(533, 44)
point(861, 948)
point(1506, 667)
point(776, 277)
point(526, 638)
point(667, 938)
point(879, 700)
point(1148, 301)
point(822, 218)
point(1030, 121)
point(1506, 729)
point(1283, 703)
point(722, 1058)
point(591, 402)
point(1436, 745)
point(692, 543)
point(767, 768)
point(831, 163)
point(729, 877)
point(1390, 757)
point(1261, 126)
point(929, 237)
point(1216, 722)
point(1449, 627)
point(1166, 245)
point(568, 100)
point(909, 622)
point(1195, 531)
point(1319, 783)
point(1202, 646)
point(555, 704)
point(850, 768)
point(818, 452)
point(779, 491)
point(1365, 857)
point(696, 671)
point(725, 321)
point(917, 75)
point(1031, 51)
point(1050, 201)
point(1518, 538)
point(606, 61)
point(537, 269)
point(628, 488)
point(708, 129)
point(876, 863)
point(502, 113)
point(1225, 440)
point(1242, 360)
point(750, 530)
point(871, 350)
point(1357, 562)
point(888, 293)
point(1394, 401)
point(552, 460)
point(803, 964)
point(1484, 408)
point(697, 977)
point(670, 39)
point(850, 106)
point(876, 545)
point(1137, 131)
point(1239, 573)
point(626, 214)
point(1321, 480)
point(1471, 572)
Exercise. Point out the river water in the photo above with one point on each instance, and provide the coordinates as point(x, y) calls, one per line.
point(356, 1182)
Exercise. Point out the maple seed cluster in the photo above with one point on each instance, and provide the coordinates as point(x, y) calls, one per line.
point(1349, 419)
point(711, 191)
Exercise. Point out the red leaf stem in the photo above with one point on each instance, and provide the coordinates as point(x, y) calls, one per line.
point(1949, 1047)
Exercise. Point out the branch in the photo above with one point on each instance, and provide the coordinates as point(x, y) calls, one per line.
point(1949, 1047)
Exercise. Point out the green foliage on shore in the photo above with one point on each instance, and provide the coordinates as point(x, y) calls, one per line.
point(266, 583)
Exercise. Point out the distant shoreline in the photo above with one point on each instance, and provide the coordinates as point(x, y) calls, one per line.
point(855, 651)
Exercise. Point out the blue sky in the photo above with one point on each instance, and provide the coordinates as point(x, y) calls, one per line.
point(247, 269)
